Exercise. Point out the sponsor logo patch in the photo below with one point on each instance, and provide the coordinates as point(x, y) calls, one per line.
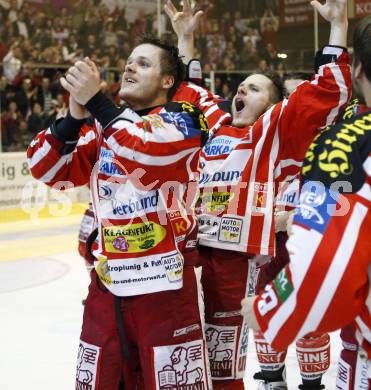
point(173, 265)
point(221, 145)
point(215, 202)
point(88, 360)
point(230, 230)
point(134, 238)
point(315, 205)
point(283, 286)
point(106, 165)
point(180, 367)
point(221, 346)
point(260, 198)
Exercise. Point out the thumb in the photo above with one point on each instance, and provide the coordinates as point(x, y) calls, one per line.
point(319, 7)
point(197, 16)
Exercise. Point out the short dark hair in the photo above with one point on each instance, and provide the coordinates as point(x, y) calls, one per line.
point(362, 45)
point(171, 62)
point(276, 93)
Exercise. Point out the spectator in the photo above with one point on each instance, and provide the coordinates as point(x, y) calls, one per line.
point(12, 62)
point(249, 57)
point(9, 125)
point(109, 36)
point(19, 27)
point(269, 25)
point(44, 95)
point(71, 50)
point(59, 31)
point(263, 66)
point(36, 120)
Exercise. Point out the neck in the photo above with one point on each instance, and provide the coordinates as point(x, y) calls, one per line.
point(141, 105)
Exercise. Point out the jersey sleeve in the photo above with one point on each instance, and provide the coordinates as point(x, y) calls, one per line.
point(207, 102)
point(52, 160)
point(314, 105)
point(326, 284)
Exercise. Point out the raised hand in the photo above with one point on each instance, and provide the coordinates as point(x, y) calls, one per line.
point(82, 81)
point(334, 11)
point(183, 22)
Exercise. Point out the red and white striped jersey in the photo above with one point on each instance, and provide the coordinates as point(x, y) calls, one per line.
point(241, 167)
point(327, 282)
point(139, 169)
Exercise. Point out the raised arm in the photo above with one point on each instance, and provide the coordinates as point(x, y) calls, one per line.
point(184, 24)
point(335, 12)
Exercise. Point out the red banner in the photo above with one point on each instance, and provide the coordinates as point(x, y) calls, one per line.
point(362, 8)
point(295, 13)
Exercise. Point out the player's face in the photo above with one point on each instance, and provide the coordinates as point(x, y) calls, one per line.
point(252, 100)
point(142, 84)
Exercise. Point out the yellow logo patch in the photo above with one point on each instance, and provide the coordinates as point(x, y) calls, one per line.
point(135, 238)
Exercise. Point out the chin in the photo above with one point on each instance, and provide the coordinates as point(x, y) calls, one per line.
point(239, 122)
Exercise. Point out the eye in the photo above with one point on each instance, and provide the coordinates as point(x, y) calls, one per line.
point(255, 89)
point(144, 64)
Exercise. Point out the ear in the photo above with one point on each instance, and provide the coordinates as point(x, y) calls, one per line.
point(358, 71)
point(167, 82)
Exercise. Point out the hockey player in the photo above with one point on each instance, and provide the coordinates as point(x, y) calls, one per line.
point(141, 321)
point(326, 285)
point(238, 167)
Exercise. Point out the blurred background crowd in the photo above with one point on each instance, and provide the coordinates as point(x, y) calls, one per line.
point(41, 39)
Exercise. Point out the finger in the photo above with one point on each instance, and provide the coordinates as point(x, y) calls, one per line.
point(83, 67)
point(75, 72)
point(168, 12)
point(66, 85)
point(91, 64)
point(319, 7)
point(197, 16)
point(171, 7)
point(72, 80)
point(186, 6)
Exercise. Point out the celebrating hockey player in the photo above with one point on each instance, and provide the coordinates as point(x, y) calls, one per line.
point(326, 285)
point(141, 323)
point(240, 166)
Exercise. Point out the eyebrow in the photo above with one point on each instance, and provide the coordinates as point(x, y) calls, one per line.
point(139, 58)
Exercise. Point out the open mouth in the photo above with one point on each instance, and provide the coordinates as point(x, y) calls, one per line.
point(129, 80)
point(239, 105)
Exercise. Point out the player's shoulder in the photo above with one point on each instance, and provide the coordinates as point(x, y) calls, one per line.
point(339, 152)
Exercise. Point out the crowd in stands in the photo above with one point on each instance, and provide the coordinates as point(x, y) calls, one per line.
point(39, 40)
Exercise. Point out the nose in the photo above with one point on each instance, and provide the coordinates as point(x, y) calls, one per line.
point(130, 67)
point(241, 90)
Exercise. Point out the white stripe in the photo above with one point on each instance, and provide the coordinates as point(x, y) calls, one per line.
point(211, 110)
point(268, 216)
point(302, 245)
point(42, 152)
point(333, 50)
point(336, 271)
point(258, 148)
point(367, 166)
point(49, 176)
point(365, 191)
point(166, 133)
point(87, 138)
point(147, 159)
point(343, 92)
point(365, 330)
point(217, 125)
point(288, 162)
